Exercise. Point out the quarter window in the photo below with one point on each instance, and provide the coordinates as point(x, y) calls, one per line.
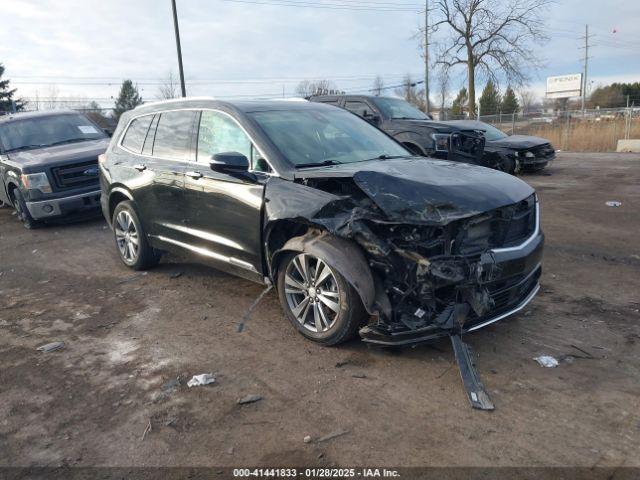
point(136, 133)
point(173, 135)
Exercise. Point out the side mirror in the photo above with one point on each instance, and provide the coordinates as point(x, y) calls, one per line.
point(370, 117)
point(229, 162)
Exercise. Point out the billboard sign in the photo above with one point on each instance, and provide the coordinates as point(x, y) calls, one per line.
point(564, 86)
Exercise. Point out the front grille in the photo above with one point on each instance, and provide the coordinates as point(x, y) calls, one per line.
point(507, 295)
point(545, 151)
point(77, 175)
point(504, 227)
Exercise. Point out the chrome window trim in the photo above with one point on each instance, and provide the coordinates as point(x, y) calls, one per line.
point(533, 236)
point(197, 109)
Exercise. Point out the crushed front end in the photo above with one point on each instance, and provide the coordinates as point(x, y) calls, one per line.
point(451, 247)
point(454, 278)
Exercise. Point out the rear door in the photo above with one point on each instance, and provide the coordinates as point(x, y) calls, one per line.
point(224, 211)
point(160, 194)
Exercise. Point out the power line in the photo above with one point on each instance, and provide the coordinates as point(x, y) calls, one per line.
point(328, 6)
point(586, 64)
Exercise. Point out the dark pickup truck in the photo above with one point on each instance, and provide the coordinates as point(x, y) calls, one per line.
point(411, 127)
point(49, 164)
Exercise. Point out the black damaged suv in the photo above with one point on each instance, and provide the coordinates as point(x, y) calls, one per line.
point(411, 127)
point(49, 164)
point(356, 233)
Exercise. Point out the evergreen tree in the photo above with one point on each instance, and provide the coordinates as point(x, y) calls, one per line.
point(490, 99)
point(459, 103)
point(128, 98)
point(6, 96)
point(510, 102)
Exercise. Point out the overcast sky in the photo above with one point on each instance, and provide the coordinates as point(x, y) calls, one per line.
point(86, 47)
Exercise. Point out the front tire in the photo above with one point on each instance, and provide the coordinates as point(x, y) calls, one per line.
point(131, 239)
point(22, 211)
point(317, 300)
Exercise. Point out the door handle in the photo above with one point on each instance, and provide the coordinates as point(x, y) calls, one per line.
point(195, 175)
point(140, 167)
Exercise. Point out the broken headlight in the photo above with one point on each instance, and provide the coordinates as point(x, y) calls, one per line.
point(525, 155)
point(441, 141)
point(36, 181)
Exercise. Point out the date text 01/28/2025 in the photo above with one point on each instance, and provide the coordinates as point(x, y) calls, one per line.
point(315, 473)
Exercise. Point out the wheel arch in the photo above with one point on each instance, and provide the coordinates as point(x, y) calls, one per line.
point(116, 196)
point(340, 254)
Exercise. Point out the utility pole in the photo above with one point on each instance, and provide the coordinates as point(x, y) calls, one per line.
point(426, 55)
point(586, 65)
point(177, 31)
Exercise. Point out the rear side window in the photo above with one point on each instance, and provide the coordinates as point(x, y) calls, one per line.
point(173, 135)
point(136, 133)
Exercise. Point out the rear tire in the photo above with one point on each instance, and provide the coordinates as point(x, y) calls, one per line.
point(131, 239)
point(22, 211)
point(321, 305)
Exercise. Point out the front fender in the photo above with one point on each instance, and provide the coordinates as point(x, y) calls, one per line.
point(342, 255)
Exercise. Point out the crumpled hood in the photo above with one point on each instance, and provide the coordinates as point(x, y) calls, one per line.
point(422, 190)
point(59, 154)
point(518, 142)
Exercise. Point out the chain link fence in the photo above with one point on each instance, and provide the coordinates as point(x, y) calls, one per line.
point(595, 130)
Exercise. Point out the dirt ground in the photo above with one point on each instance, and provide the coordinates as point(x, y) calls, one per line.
point(108, 398)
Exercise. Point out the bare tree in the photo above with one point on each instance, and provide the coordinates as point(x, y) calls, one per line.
point(492, 38)
point(410, 92)
point(168, 89)
point(527, 99)
point(442, 82)
point(378, 86)
point(307, 88)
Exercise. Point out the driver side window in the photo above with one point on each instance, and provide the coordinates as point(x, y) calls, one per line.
point(218, 133)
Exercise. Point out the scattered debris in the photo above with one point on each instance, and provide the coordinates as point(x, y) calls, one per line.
point(202, 379)
point(146, 431)
point(546, 361)
point(613, 203)
point(176, 275)
point(247, 315)
point(230, 451)
point(568, 359)
point(51, 347)
point(249, 399)
point(132, 278)
point(342, 364)
point(359, 375)
point(588, 355)
point(331, 436)
point(307, 439)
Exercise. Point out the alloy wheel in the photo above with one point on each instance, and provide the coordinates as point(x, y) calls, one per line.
point(127, 236)
point(312, 292)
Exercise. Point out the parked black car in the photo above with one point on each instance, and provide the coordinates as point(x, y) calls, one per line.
point(344, 221)
point(412, 127)
point(510, 153)
point(49, 164)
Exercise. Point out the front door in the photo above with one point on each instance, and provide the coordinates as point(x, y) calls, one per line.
point(224, 211)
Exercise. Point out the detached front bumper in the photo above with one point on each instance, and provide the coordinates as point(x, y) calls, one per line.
point(59, 207)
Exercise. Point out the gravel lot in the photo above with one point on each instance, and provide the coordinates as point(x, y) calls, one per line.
point(107, 397)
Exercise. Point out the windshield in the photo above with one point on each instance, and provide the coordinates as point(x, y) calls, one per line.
point(492, 133)
point(38, 132)
point(315, 137)
point(398, 108)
